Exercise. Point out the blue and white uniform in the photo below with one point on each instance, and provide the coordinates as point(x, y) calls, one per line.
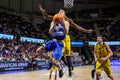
point(56, 45)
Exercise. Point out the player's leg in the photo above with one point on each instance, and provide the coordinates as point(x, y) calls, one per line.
point(40, 49)
point(65, 70)
point(68, 58)
point(67, 55)
point(98, 70)
point(46, 47)
point(50, 74)
point(57, 56)
point(55, 74)
point(42, 52)
point(107, 69)
point(63, 58)
point(93, 72)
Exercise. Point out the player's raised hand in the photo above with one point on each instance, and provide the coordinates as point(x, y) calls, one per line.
point(90, 31)
point(41, 8)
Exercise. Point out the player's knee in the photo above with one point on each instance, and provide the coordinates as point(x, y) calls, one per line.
point(40, 50)
point(111, 77)
point(98, 74)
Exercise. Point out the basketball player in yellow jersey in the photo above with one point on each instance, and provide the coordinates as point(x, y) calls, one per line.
point(102, 54)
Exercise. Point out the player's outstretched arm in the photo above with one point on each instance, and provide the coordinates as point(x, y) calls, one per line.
point(51, 28)
point(44, 13)
point(66, 26)
point(73, 24)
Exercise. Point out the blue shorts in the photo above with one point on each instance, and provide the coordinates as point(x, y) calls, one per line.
point(56, 47)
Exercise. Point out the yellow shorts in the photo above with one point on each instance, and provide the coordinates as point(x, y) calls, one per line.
point(54, 68)
point(67, 46)
point(105, 66)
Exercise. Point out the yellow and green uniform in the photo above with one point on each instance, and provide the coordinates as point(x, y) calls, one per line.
point(67, 46)
point(102, 52)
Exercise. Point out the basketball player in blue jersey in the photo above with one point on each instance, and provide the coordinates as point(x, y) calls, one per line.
point(67, 53)
point(55, 47)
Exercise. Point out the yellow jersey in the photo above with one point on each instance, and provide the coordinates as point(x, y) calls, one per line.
point(101, 50)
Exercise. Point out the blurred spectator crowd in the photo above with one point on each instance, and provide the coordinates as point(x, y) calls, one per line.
point(10, 50)
point(18, 26)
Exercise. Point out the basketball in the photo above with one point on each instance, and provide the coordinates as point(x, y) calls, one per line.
point(57, 18)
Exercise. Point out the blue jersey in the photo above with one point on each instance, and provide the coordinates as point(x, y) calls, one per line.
point(56, 45)
point(59, 32)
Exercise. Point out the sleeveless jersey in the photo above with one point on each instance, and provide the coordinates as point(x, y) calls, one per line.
point(101, 50)
point(59, 32)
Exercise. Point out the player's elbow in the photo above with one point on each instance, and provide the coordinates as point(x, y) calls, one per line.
point(111, 53)
point(50, 32)
point(66, 32)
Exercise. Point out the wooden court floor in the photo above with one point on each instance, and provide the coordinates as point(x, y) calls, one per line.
point(79, 73)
